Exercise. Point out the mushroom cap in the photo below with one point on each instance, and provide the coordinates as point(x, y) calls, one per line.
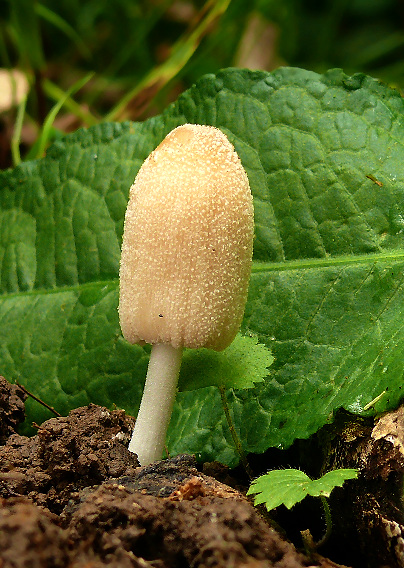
point(187, 243)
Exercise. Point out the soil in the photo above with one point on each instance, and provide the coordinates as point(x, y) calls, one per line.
point(74, 496)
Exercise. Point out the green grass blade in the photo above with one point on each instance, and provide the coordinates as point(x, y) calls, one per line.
point(28, 35)
point(46, 129)
point(182, 51)
point(16, 138)
point(61, 24)
point(56, 93)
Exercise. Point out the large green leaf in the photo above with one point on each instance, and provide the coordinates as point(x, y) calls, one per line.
point(325, 155)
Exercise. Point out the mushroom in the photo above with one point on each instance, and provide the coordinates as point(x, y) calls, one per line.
point(185, 264)
point(14, 88)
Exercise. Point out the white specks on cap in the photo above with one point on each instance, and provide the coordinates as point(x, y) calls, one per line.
point(187, 244)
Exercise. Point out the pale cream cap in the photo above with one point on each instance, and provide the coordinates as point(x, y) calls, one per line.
point(187, 243)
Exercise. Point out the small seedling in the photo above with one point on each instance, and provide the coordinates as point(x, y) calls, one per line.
point(290, 486)
point(242, 365)
point(185, 264)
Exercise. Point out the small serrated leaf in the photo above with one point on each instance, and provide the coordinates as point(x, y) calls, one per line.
point(290, 486)
point(244, 363)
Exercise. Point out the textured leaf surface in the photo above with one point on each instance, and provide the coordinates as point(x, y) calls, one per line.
point(290, 486)
point(325, 155)
point(241, 365)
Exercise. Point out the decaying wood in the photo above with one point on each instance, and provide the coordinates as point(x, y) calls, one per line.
point(369, 510)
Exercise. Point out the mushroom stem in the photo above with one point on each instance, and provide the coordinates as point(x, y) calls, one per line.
point(157, 402)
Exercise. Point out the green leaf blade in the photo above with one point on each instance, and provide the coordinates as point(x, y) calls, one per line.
point(290, 486)
point(243, 364)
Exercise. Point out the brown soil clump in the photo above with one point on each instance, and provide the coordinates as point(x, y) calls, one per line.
point(12, 409)
point(73, 496)
point(67, 454)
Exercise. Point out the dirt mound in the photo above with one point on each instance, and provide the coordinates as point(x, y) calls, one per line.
point(73, 496)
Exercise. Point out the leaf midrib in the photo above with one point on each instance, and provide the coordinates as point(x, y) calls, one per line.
point(112, 284)
point(396, 255)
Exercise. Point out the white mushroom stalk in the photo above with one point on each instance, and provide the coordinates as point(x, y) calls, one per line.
point(185, 264)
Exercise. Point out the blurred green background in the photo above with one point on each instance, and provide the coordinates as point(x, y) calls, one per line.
point(86, 61)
